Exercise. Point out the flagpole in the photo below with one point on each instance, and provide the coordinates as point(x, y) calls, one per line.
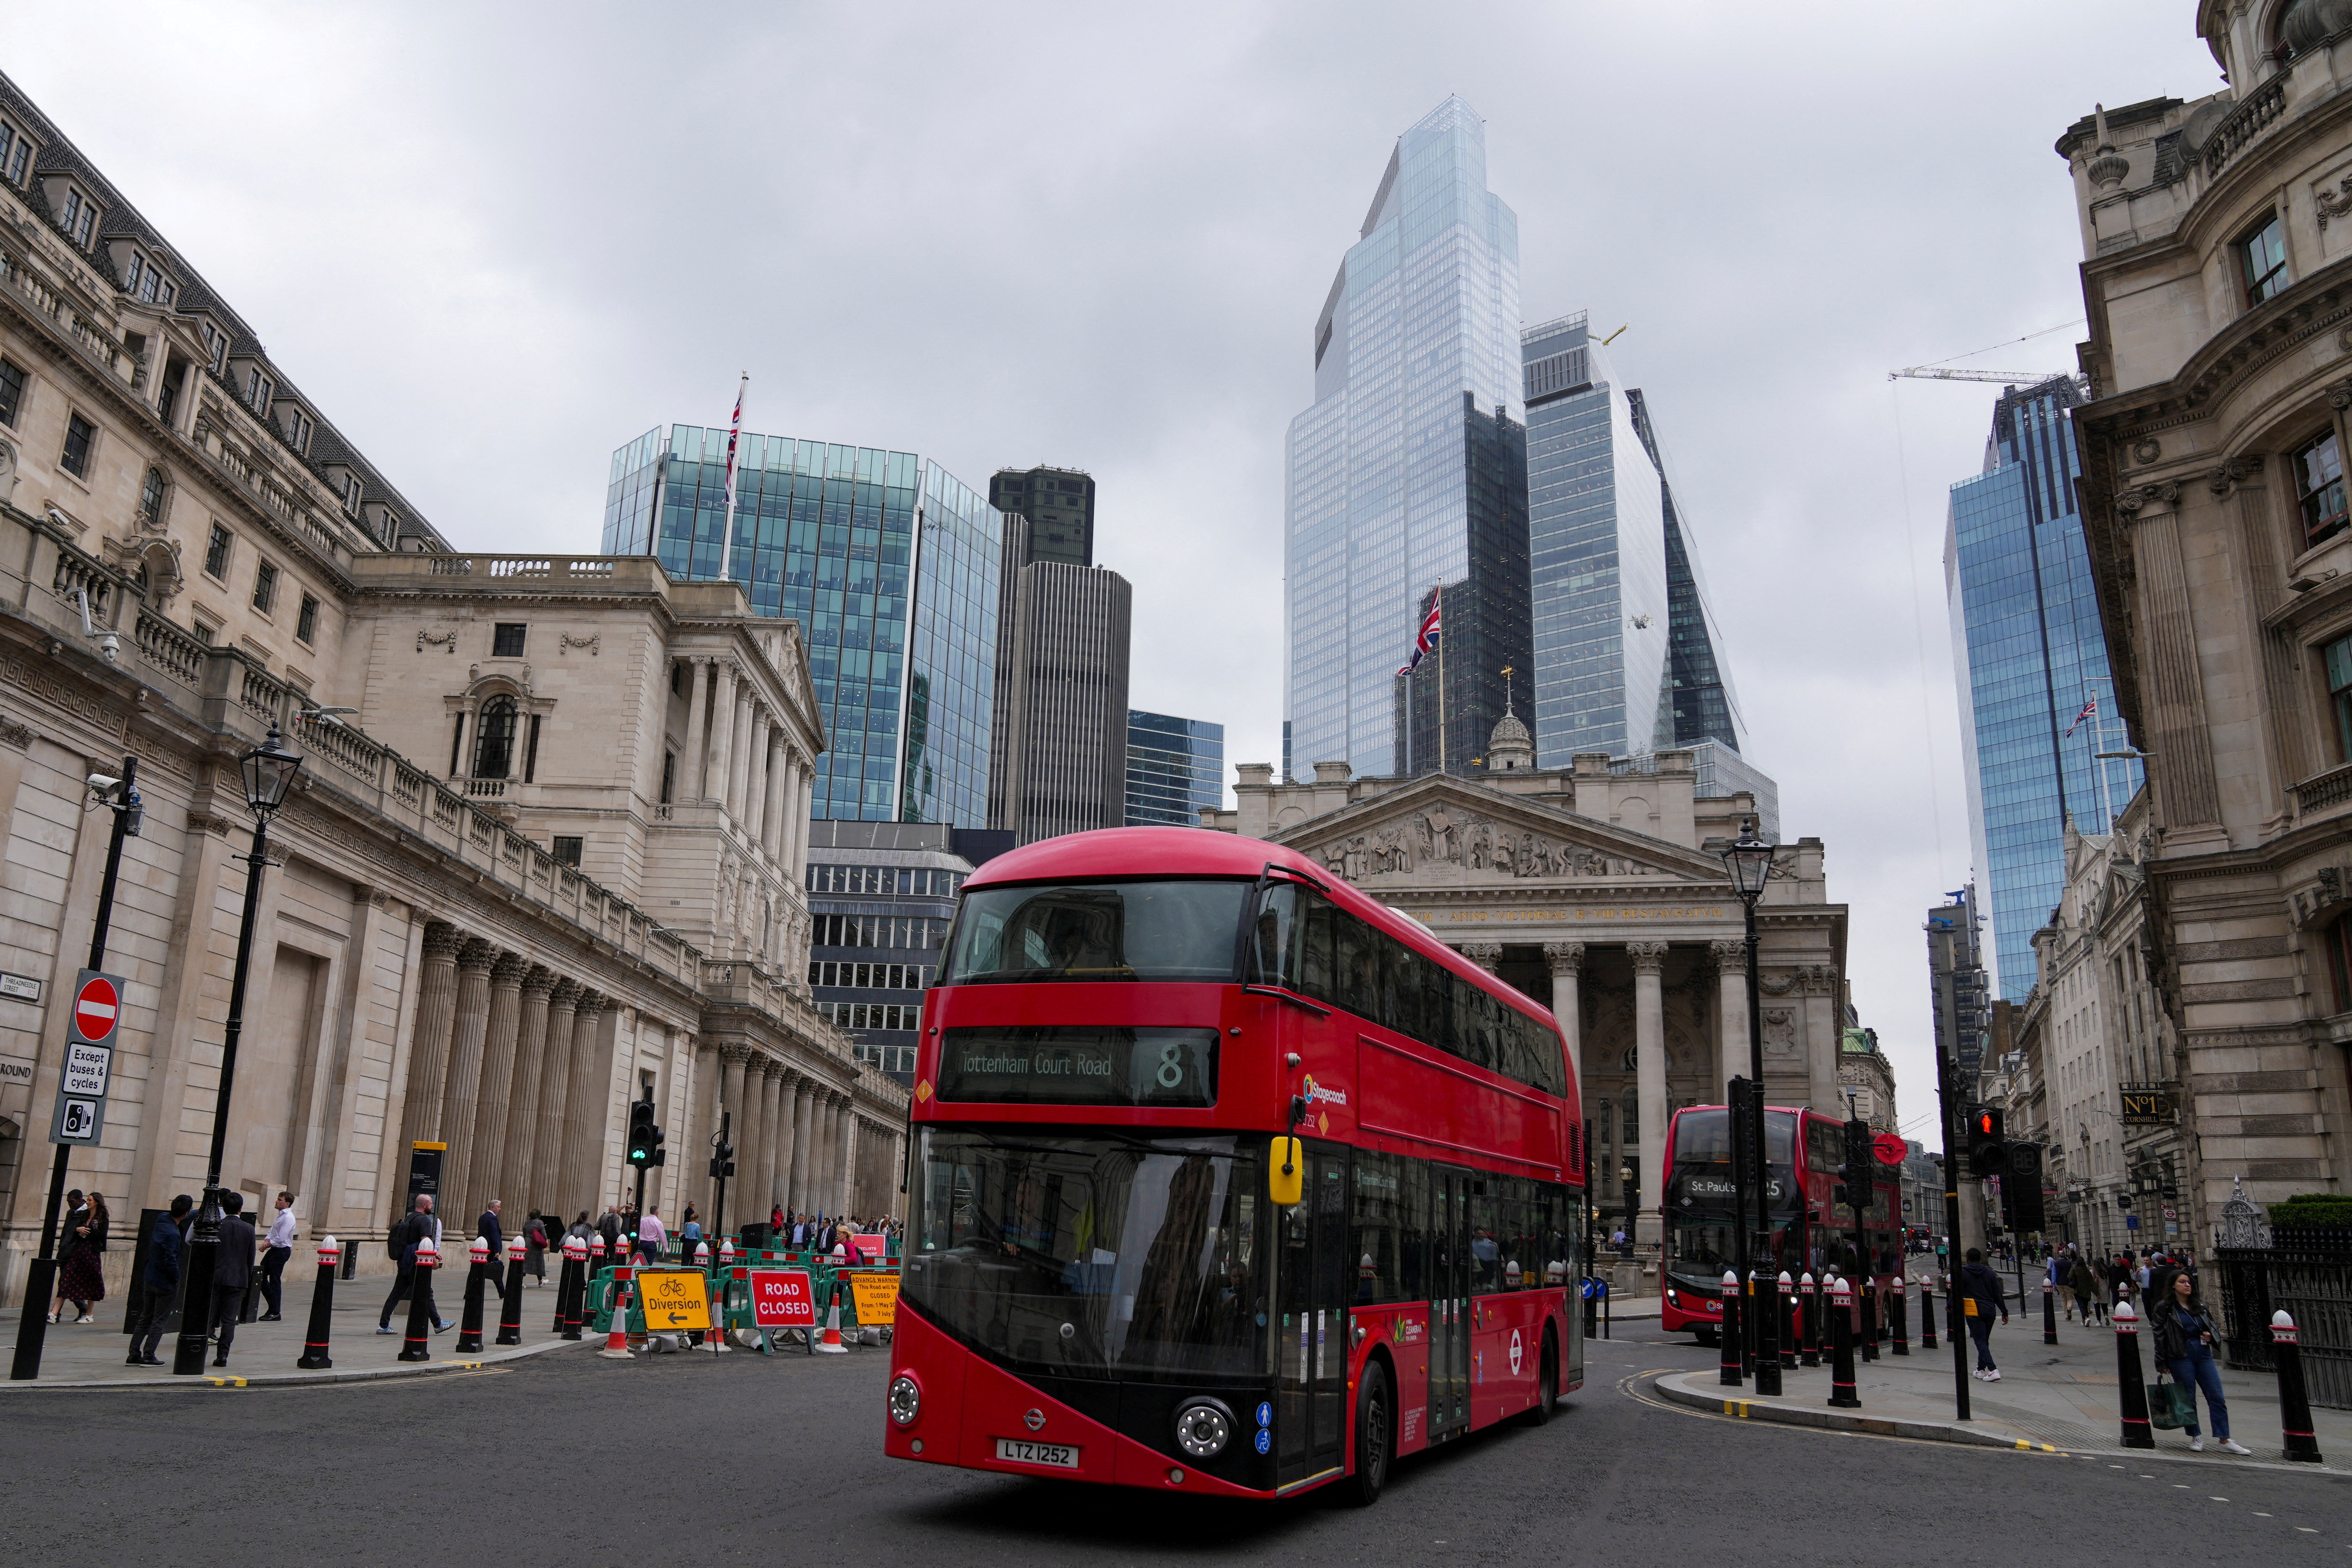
point(1437, 602)
point(734, 435)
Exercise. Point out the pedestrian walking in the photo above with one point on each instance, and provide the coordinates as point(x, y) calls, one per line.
point(2087, 1294)
point(2184, 1343)
point(651, 1237)
point(2054, 1275)
point(1982, 1287)
point(275, 1249)
point(159, 1283)
point(609, 1228)
point(489, 1229)
point(232, 1274)
point(401, 1241)
point(82, 1272)
point(534, 1247)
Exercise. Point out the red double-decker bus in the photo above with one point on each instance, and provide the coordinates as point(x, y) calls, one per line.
point(1226, 1179)
point(1812, 1228)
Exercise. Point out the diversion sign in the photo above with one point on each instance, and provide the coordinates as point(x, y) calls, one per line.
point(1079, 1064)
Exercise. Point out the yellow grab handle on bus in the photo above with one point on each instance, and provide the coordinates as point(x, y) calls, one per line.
point(1286, 1171)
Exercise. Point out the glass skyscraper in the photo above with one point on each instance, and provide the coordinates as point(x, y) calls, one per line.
point(1628, 657)
point(2031, 655)
point(1416, 342)
point(889, 562)
point(1174, 767)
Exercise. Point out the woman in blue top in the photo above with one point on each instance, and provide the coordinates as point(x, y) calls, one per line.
point(2184, 1339)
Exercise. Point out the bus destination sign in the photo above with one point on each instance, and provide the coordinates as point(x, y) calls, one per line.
point(1079, 1064)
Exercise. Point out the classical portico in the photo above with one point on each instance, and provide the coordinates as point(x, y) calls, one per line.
point(1593, 892)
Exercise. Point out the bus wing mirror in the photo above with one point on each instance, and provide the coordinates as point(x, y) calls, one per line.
point(1286, 1172)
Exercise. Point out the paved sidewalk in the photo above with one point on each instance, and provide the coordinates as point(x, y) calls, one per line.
point(2059, 1396)
point(90, 1355)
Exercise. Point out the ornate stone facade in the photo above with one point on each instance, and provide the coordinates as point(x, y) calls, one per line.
point(1595, 893)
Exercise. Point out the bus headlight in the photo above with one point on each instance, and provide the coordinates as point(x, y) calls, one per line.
point(1203, 1427)
point(906, 1400)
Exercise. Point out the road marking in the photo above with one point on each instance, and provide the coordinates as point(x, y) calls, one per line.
point(226, 1382)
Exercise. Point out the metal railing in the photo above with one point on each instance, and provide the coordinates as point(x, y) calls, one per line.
point(2306, 1270)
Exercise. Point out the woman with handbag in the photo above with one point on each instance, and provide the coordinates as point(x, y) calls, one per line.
point(2184, 1343)
point(81, 1277)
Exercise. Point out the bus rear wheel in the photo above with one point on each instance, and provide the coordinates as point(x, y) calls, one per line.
point(1362, 1488)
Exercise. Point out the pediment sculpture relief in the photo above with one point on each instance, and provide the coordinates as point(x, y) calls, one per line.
point(1447, 837)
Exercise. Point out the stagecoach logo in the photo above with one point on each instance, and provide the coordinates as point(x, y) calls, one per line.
point(1516, 1353)
point(1316, 1091)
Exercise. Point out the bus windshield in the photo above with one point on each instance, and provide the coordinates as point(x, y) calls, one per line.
point(1093, 1256)
point(1096, 931)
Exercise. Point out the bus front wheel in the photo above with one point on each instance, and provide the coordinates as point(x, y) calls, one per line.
point(1362, 1488)
point(1547, 1385)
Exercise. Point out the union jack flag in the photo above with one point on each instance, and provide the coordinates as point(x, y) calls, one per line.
point(1427, 637)
point(2090, 709)
point(734, 435)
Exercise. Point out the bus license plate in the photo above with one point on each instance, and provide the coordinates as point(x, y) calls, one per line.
point(1063, 1456)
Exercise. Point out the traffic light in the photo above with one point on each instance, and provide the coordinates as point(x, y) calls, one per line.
point(659, 1155)
point(2124, 1201)
point(1987, 1155)
point(1859, 1159)
point(722, 1161)
point(2021, 1187)
point(645, 1138)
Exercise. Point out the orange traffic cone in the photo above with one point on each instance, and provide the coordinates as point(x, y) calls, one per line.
point(830, 1343)
point(616, 1342)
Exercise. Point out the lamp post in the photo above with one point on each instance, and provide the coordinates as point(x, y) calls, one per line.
point(269, 770)
point(1749, 858)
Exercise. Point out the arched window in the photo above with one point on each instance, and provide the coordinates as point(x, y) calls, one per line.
point(494, 738)
point(151, 497)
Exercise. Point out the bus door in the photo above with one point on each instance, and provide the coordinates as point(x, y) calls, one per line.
point(1449, 1308)
point(1312, 1287)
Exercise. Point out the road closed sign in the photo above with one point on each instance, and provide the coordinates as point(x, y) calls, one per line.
point(781, 1299)
point(673, 1300)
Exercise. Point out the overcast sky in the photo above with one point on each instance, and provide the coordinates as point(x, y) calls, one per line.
point(496, 241)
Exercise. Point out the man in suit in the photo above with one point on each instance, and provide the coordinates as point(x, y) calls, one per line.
point(489, 1230)
point(231, 1272)
point(159, 1282)
point(414, 1227)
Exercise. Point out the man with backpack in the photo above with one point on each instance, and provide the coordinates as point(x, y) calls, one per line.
point(401, 1241)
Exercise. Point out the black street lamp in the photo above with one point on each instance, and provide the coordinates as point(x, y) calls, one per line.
point(269, 770)
point(1749, 861)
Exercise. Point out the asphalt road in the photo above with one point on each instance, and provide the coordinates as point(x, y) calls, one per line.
point(565, 1460)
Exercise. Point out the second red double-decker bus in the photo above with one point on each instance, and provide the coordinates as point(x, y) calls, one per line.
point(1226, 1179)
point(1813, 1227)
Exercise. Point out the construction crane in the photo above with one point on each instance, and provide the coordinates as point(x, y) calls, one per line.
point(2008, 377)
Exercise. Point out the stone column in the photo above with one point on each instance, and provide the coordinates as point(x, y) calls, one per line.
point(807, 803)
point(1731, 1002)
point(788, 1110)
point(793, 819)
point(513, 1179)
point(545, 1172)
point(803, 1119)
point(584, 1107)
point(1487, 956)
point(836, 1185)
point(772, 1100)
point(752, 1134)
point(1649, 1071)
point(698, 732)
point(478, 1156)
point(461, 1081)
point(694, 1181)
point(1567, 961)
point(428, 1046)
point(771, 796)
point(747, 718)
point(721, 747)
point(851, 1154)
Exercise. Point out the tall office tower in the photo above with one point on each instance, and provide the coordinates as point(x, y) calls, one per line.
point(1628, 656)
point(2031, 656)
point(1413, 347)
point(1063, 703)
point(890, 563)
point(1960, 992)
point(1175, 767)
point(1060, 505)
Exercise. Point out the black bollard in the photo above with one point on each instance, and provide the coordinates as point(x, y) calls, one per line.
point(2133, 1392)
point(418, 1345)
point(567, 1297)
point(1842, 1394)
point(322, 1302)
point(1898, 1308)
point(1809, 1353)
point(1591, 1311)
point(1866, 1291)
point(1926, 1315)
point(2049, 1313)
point(1788, 1294)
point(1729, 1331)
point(469, 1326)
point(1763, 1301)
point(511, 1309)
point(2294, 1403)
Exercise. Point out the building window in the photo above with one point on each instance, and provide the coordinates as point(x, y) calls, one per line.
point(494, 738)
point(12, 390)
point(151, 496)
point(14, 152)
point(506, 640)
point(306, 625)
point(531, 751)
point(2319, 489)
point(2338, 656)
point(567, 851)
point(204, 629)
point(80, 434)
point(2337, 939)
point(351, 494)
point(677, 676)
point(298, 430)
point(2263, 255)
point(265, 586)
point(216, 553)
point(77, 216)
point(670, 777)
point(456, 745)
point(256, 391)
point(216, 346)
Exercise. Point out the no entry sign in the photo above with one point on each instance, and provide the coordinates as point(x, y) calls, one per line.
point(781, 1299)
point(98, 1006)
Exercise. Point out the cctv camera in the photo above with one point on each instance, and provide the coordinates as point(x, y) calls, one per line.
point(101, 785)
